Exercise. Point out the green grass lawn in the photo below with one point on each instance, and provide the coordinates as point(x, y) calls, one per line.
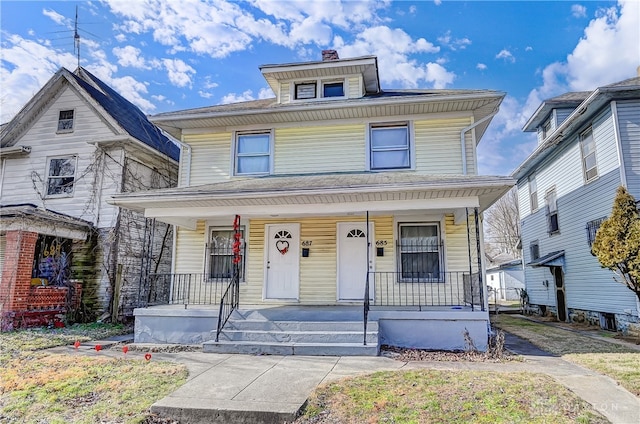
point(429, 396)
point(619, 362)
point(37, 385)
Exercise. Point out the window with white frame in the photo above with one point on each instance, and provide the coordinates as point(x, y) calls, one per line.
point(389, 146)
point(333, 89)
point(65, 121)
point(420, 252)
point(61, 175)
point(552, 211)
point(220, 254)
point(547, 128)
point(533, 192)
point(253, 153)
point(305, 90)
point(588, 150)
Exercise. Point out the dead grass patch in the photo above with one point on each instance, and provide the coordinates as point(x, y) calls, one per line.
point(429, 396)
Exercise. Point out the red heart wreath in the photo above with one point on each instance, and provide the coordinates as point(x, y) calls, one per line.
point(282, 246)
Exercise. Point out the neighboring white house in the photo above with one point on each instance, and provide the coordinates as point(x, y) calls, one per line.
point(74, 144)
point(505, 277)
point(589, 144)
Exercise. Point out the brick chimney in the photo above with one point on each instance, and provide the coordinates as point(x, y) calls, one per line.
point(328, 55)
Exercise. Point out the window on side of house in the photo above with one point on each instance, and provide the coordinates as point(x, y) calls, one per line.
point(588, 150)
point(61, 175)
point(305, 90)
point(420, 253)
point(547, 128)
point(220, 254)
point(65, 121)
point(592, 229)
point(533, 193)
point(333, 89)
point(253, 153)
point(552, 212)
point(534, 250)
point(390, 146)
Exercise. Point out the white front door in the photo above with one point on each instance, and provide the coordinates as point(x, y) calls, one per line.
point(352, 259)
point(282, 246)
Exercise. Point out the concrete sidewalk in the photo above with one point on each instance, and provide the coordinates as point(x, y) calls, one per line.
point(231, 388)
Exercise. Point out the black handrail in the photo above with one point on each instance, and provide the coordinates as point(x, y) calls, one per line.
point(231, 297)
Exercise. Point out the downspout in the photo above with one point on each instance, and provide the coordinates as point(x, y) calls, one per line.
point(462, 142)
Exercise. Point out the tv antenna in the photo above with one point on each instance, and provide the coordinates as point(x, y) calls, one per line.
point(76, 38)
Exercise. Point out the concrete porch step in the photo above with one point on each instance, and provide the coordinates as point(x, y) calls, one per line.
point(301, 325)
point(308, 336)
point(288, 348)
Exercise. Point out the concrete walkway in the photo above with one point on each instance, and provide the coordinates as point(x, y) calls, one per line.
point(230, 388)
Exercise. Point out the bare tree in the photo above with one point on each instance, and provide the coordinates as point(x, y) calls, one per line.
point(502, 225)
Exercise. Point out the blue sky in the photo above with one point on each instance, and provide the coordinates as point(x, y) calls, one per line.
point(170, 55)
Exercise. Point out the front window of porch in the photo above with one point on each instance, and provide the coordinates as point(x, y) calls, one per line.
point(220, 254)
point(420, 253)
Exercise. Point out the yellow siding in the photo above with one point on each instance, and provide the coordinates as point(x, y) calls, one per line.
point(190, 246)
point(285, 92)
point(437, 146)
point(210, 157)
point(355, 88)
point(456, 245)
point(320, 149)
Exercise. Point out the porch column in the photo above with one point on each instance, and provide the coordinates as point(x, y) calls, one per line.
point(16, 274)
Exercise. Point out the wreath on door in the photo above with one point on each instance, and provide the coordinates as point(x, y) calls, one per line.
point(281, 243)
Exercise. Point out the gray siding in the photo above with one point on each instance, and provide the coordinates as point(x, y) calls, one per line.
point(587, 285)
point(562, 114)
point(629, 126)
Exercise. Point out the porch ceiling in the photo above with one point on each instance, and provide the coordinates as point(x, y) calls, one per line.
point(316, 195)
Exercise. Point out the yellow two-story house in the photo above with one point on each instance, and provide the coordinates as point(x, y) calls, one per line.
point(336, 188)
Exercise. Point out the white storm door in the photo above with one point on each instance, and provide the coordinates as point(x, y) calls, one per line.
point(352, 259)
point(283, 261)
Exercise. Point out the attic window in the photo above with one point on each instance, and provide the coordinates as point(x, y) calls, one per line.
point(65, 121)
point(333, 89)
point(306, 90)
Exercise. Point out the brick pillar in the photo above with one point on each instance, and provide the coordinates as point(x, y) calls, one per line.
point(16, 272)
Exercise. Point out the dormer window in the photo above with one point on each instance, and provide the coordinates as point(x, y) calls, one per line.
point(547, 128)
point(306, 90)
point(65, 121)
point(333, 89)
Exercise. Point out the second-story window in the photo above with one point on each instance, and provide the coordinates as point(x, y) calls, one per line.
point(533, 192)
point(253, 153)
point(534, 250)
point(389, 146)
point(65, 121)
point(552, 212)
point(61, 175)
point(588, 150)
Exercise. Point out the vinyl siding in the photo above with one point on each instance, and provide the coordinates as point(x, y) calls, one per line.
point(318, 272)
point(285, 92)
point(437, 146)
point(562, 114)
point(304, 150)
point(629, 127)
point(24, 179)
point(354, 85)
point(210, 157)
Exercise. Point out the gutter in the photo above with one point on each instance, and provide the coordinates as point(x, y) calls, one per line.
point(464, 131)
point(15, 151)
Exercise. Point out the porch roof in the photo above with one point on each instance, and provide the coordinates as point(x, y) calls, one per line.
point(551, 259)
point(28, 217)
point(317, 194)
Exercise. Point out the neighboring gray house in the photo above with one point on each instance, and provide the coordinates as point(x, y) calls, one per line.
point(74, 144)
point(588, 145)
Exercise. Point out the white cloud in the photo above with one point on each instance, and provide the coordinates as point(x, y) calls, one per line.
point(55, 17)
point(506, 55)
point(235, 98)
point(179, 72)
point(413, 9)
point(528, 49)
point(578, 11)
point(130, 56)
point(481, 67)
point(454, 44)
point(205, 94)
point(121, 38)
point(437, 74)
point(437, 2)
point(265, 93)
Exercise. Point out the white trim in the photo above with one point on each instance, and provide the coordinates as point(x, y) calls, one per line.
point(616, 134)
point(217, 225)
point(441, 221)
point(234, 152)
point(73, 122)
point(389, 124)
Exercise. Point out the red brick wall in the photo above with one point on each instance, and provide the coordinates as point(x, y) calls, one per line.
point(16, 272)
